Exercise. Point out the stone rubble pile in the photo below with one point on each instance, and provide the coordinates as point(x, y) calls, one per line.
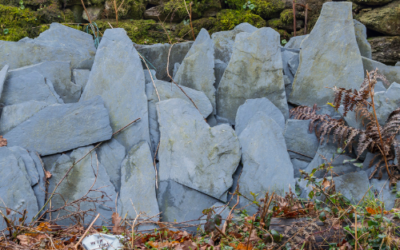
point(228, 118)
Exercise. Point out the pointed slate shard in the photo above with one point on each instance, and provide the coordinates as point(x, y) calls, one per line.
point(117, 76)
point(361, 37)
point(62, 127)
point(387, 102)
point(329, 57)
point(254, 71)
point(295, 42)
point(301, 144)
point(40, 188)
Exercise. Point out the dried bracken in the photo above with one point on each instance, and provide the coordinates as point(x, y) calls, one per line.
point(3, 141)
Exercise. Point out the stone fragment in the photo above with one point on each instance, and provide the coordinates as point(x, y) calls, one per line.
point(299, 139)
point(297, 166)
point(264, 153)
point(27, 162)
point(295, 42)
point(117, 76)
point(59, 128)
point(3, 75)
point(385, 49)
point(80, 77)
point(392, 73)
point(49, 160)
point(352, 185)
point(59, 43)
point(157, 55)
point(387, 102)
point(111, 154)
point(290, 62)
point(385, 193)
point(147, 77)
point(32, 86)
point(40, 188)
point(167, 91)
point(12, 178)
point(361, 37)
point(197, 68)
point(59, 73)
point(100, 241)
point(257, 62)
point(325, 53)
point(219, 69)
point(138, 179)
point(14, 115)
point(79, 182)
point(251, 107)
point(288, 88)
point(193, 154)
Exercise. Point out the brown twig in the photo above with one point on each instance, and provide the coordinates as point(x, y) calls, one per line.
point(87, 230)
point(251, 230)
point(190, 17)
point(305, 20)
point(294, 17)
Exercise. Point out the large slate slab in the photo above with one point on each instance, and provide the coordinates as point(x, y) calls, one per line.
point(27, 87)
point(352, 185)
point(361, 37)
point(83, 175)
point(197, 68)
point(62, 127)
point(193, 154)
point(138, 180)
point(264, 154)
point(157, 55)
point(387, 102)
point(392, 73)
point(27, 162)
point(59, 73)
point(251, 107)
point(15, 189)
point(59, 43)
point(117, 76)
point(254, 71)
point(299, 139)
point(329, 57)
point(3, 75)
point(13, 115)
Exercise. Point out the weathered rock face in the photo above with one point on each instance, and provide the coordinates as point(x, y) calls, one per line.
point(193, 154)
point(387, 102)
point(40, 188)
point(59, 73)
point(13, 178)
point(3, 74)
point(353, 185)
point(297, 166)
point(290, 62)
point(382, 19)
point(299, 140)
point(59, 43)
point(32, 86)
point(251, 107)
point(78, 183)
point(385, 49)
point(295, 42)
point(197, 69)
point(361, 37)
point(264, 153)
point(392, 73)
point(45, 130)
point(117, 76)
point(13, 115)
point(80, 77)
point(325, 54)
point(138, 179)
point(167, 91)
point(256, 61)
point(25, 161)
point(157, 55)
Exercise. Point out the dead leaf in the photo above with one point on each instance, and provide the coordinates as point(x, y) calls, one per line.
point(326, 183)
point(241, 246)
point(8, 211)
point(47, 174)
point(3, 141)
point(116, 220)
point(25, 240)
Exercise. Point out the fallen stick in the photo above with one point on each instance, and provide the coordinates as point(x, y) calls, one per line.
point(87, 230)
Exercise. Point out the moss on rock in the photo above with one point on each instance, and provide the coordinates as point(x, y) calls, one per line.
point(268, 9)
point(130, 9)
point(183, 30)
point(177, 7)
point(286, 16)
point(228, 19)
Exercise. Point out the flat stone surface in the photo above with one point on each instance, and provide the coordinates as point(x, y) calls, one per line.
point(13, 115)
point(197, 68)
point(59, 43)
point(117, 76)
point(138, 179)
point(331, 45)
point(40, 188)
point(157, 55)
point(193, 154)
point(13, 178)
point(392, 73)
point(295, 42)
point(387, 102)
point(257, 62)
point(59, 73)
point(3, 75)
point(251, 107)
point(27, 87)
point(62, 127)
point(352, 185)
point(27, 162)
point(361, 37)
point(264, 154)
point(80, 77)
point(300, 140)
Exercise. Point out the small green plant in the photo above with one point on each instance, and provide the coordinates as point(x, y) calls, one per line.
point(284, 42)
point(105, 230)
point(249, 5)
point(21, 4)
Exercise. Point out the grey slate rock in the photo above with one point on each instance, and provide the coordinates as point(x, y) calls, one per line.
point(40, 188)
point(147, 77)
point(219, 69)
point(193, 154)
point(288, 88)
point(138, 180)
point(325, 53)
point(13, 178)
point(361, 37)
point(3, 75)
point(111, 154)
point(387, 102)
point(59, 73)
point(397, 64)
point(299, 139)
point(22, 155)
point(13, 115)
point(295, 42)
point(251, 107)
point(352, 185)
point(197, 68)
point(176, 68)
point(58, 128)
point(167, 90)
point(49, 160)
point(32, 86)
point(392, 73)
point(297, 166)
point(264, 154)
point(117, 76)
point(385, 193)
point(290, 62)
point(79, 182)
point(263, 74)
point(157, 55)
point(59, 43)
point(80, 77)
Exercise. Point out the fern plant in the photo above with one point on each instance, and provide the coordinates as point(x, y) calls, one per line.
point(374, 137)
